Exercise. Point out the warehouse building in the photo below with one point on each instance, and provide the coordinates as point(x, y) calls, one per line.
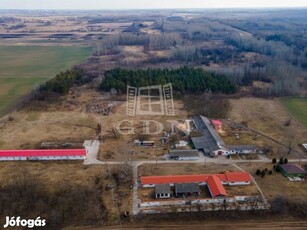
point(183, 155)
point(43, 154)
point(243, 149)
point(209, 142)
point(212, 144)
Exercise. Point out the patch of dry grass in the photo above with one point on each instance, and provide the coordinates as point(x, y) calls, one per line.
point(183, 169)
point(268, 116)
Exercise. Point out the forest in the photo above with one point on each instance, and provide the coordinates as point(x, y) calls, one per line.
point(184, 79)
point(260, 46)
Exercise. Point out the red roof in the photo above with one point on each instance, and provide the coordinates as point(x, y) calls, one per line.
point(238, 176)
point(43, 153)
point(215, 186)
point(216, 122)
point(232, 177)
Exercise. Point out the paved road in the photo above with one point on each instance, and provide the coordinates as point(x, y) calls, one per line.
point(92, 147)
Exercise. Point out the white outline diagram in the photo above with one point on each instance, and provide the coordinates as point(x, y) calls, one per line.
point(150, 100)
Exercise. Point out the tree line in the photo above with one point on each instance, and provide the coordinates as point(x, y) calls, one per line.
point(60, 84)
point(184, 79)
point(26, 196)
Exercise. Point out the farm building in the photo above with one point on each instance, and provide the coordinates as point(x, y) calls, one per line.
point(243, 149)
point(43, 154)
point(292, 170)
point(144, 143)
point(187, 185)
point(162, 191)
point(209, 142)
point(183, 155)
point(217, 124)
point(215, 187)
point(238, 178)
point(187, 189)
point(227, 178)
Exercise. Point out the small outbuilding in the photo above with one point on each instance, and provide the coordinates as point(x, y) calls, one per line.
point(187, 189)
point(292, 170)
point(162, 191)
point(217, 124)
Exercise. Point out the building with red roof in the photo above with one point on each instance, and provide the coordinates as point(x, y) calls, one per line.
point(238, 178)
point(215, 182)
point(43, 154)
point(227, 178)
point(217, 124)
point(215, 187)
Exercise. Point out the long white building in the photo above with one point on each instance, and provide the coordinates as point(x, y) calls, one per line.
point(43, 154)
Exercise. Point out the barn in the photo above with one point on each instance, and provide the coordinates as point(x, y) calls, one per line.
point(43, 154)
point(292, 170)
point(209, 142)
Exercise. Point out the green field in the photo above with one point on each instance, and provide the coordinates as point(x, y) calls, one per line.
point(297, 107)
point(21, 68)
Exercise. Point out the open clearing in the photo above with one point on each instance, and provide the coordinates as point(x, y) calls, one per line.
point(297, 107)
point(22, 68)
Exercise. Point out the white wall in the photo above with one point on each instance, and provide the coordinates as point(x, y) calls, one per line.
point(13, 158)
point(239, 183)
point(188, 158)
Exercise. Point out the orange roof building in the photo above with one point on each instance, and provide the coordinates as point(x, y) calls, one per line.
point(226, 178)
point(215, 186)
point(235, 177)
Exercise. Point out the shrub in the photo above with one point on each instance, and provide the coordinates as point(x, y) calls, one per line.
point(258, 172)
point(281, 160)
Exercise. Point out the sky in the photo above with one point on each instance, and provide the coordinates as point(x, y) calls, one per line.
point(146, 4)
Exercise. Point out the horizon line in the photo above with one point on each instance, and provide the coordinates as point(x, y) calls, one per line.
point(129, 9)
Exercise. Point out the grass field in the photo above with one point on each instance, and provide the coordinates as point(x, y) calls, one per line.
point(269, 116)
point(21, 68)
point(297, 107)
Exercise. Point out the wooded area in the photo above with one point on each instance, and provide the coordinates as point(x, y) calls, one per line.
point(185, 79)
